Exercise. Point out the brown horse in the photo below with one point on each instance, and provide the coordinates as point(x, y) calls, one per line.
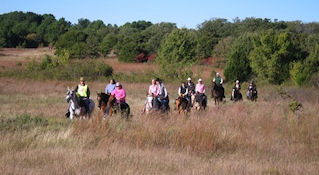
point(108, 101)
point(217, 93)
point(103, 100)
point(182, 105)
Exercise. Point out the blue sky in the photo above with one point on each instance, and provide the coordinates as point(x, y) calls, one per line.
point(185, 13)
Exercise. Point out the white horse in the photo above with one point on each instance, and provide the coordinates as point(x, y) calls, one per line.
point(74, 107)
point(148, 104)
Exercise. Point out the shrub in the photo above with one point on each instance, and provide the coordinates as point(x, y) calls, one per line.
point(55, 68)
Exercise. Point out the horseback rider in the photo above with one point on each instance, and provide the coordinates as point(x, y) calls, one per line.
point(110, 87)
point(219, 83)
point(200, 90)
point(153, 89)
point(236, 89)
point(182, 90)
point(119, 93)
point(190, 86)
point(83, 92)
point(162, 96)
point(252, 87)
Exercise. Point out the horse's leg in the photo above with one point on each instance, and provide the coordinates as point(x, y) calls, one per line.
point(71, 114)
point(110, 111)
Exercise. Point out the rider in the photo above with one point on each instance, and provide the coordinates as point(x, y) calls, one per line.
point(183, 90)
point(153, 89)
point(200, 90)
point(83, 92)
point(110, 87)
point(190, 86)
point(162, 96)
point(219, 83)
point(252, 87)
point(119, 93)
point(236, 88)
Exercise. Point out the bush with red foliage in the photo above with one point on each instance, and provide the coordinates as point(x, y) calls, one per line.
point(151, 57)
point(140, 58)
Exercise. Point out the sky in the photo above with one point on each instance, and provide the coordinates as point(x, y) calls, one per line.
point(185, 13)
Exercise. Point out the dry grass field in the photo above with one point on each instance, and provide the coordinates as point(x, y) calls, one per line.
point(265, 137)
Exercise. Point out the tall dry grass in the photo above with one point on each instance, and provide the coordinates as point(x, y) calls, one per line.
point(243, 138)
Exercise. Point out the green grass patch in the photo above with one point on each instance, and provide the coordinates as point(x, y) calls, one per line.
point(26, 122)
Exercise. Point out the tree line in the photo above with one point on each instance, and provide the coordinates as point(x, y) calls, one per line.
point(271, 50)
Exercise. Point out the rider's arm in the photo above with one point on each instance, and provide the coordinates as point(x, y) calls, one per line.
point(186, 92)
point(149, 91)
point(214, 80)
point(123, 94)
point(221, 80)
point(179, 91)
point(105, 89)
point(165, 92)
point(204, 89)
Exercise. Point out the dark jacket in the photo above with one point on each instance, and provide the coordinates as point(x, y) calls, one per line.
point(190, 87)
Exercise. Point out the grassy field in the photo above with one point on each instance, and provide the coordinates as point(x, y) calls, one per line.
point(265, 137)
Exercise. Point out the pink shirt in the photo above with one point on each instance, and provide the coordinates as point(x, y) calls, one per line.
point(119, 95)
point(200, 88)
point(153, 89)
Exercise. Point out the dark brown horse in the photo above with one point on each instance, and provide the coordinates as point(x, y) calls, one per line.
point(182, 105)
point(217, 93)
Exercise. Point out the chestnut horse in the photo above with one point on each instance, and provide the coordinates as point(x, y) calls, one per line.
point(108, 101)
point(182, 105)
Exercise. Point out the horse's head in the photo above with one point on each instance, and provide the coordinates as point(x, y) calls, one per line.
point(70, 94)
point(149, 98)
point(178, 102)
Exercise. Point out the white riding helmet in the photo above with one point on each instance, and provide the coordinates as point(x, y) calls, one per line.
point(189, 79)
point(118, 84)
point(237, 81)
point(199, 80)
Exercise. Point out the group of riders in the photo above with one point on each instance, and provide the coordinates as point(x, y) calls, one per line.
point(158, 94)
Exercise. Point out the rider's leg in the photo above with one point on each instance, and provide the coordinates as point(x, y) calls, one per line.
point(86, 105)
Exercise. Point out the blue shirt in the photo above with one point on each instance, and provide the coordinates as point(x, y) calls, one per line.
point(109, 88)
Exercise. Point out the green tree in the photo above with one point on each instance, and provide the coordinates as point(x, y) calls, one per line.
point(177, 54)
point(272, 54)
point(238, 64)
point(222, 48)
point(155, 34)
point(209, 33)
point(74, 42)
point(302, 70)
point(109, 42)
